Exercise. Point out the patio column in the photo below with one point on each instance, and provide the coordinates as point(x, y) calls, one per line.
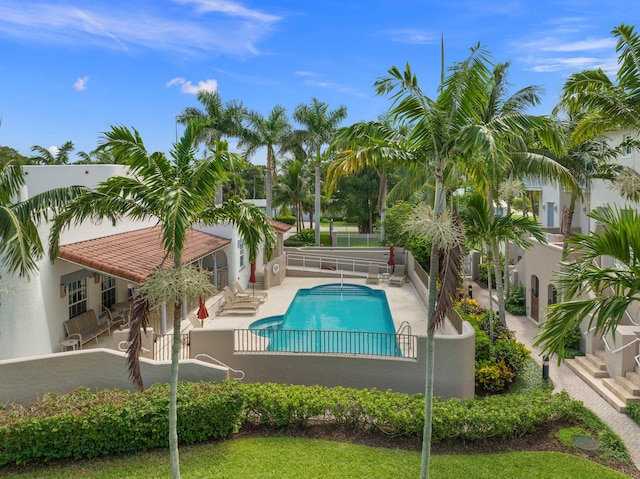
point(163, 317)
point(215, 270)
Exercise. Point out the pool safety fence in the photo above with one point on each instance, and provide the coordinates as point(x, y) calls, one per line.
point(270, 340)
point(330, 262)
point(358, 239)
point(162, 344)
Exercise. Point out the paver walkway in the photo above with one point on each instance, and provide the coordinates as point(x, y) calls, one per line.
point(565, 379)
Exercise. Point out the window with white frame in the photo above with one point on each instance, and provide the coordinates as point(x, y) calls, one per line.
point(108, 287)
point(77, 297)
point(241, 252)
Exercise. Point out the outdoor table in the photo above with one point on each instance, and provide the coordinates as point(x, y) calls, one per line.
point(123, 309)
point(72, 344)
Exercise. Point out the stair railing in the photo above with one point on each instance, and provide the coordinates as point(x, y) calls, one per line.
point(240, 373)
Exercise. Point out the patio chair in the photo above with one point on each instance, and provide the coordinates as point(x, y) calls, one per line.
point(231, 307)
point(195, 321)
point(236, 299)
point(374, 275)
point(398, 277)
point(242, 293)
point(115, 320)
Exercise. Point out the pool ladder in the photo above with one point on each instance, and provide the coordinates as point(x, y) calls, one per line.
point(404, 337)
point(240, 374)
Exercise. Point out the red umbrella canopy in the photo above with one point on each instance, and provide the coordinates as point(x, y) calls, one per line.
point(252, 278)
point(202, 310)
point(392, 260)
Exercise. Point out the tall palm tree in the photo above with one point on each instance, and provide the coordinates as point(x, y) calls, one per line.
point(374, 144)
point(265, 132)
point(498, 133)
point(46, 157)
point(176, 191)
point(20, 244)
point(613, 287)
point(482, 228)
point(439, 134)
point(222, 120)
point(609, 105)
point(319, 125)
point(291, 189)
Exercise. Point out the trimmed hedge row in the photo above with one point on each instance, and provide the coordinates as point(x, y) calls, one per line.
point(89, 424)
point(85, 424)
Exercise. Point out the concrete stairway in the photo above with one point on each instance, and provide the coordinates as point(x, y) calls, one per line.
point(616, 391)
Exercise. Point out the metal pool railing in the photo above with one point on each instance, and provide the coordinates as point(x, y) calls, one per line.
point(325, 342)
point(162, 344)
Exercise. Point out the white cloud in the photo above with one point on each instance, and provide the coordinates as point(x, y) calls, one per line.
point(233, 9)
point(54, 150)
point(186, 86)
point(81, 83)
point(551, 44)
point(302, 73)
point(196, 27)
point(573, 64)
point(419, 37)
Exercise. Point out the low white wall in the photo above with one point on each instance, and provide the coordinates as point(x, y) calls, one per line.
point(454, 365)
point(24, 380)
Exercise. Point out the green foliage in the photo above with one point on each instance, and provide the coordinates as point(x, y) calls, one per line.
point(633, 411)
point(483, 273)
point(394, 224)
point(288, 219)
point(90, 424)
point(529, 378)
point(86, 424)
point(421, 250)
point(516, 301)
point(307, 235)
point(493, 377)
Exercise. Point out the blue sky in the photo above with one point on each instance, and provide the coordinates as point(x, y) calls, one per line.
point(71, 68)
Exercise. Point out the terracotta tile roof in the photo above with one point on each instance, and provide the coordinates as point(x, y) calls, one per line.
point(134, 255)
point(279, 226)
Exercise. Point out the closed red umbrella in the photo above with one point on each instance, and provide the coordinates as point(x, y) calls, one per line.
point(252, 277)
point(202, 310)
point(392, 260)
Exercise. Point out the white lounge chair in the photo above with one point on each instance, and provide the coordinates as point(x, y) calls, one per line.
point(398, 277)
point(242, 293)
point(233, 307)
point(373, 277)
point(235, 298)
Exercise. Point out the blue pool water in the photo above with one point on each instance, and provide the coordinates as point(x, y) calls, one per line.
point(333, 318)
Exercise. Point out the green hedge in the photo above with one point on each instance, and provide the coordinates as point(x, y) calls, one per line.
point(89, 424)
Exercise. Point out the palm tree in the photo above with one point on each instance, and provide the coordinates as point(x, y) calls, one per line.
point(291, 189)
point(609, 105)
point(222, 120)
point(613, 287)
point(374, 144)
point(319, 126)
point(438, 136)
point(20, 244)
point(498, 134)
point(482, 228)
point(46, 157)
point(177, 192)
point(265, 132)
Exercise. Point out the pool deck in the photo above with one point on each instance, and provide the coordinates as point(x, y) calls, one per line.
point(404, 303)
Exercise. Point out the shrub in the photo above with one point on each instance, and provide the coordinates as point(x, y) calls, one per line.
point(288, 219)
point(85, 424)
point(516, 301)
point(493, 377)
point(308, 235)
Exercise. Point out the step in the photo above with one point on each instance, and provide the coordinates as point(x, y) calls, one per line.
point(600, 355)
point(595, 383)
point(633, 376)
point(628, 385)
point(593, 365)
point(619, 390)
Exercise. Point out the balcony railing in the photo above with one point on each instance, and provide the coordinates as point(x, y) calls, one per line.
point(162, 344)
point(325, 342)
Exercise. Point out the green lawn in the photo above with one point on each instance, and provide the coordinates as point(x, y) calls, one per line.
point(291, 458)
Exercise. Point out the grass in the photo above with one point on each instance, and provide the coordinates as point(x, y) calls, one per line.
point(295, 458)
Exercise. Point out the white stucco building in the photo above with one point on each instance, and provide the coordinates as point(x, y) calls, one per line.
point(99, 264)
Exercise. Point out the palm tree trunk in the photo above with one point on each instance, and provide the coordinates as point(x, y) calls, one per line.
point(174, 456)
point(567, 232)
point(490, 286)
point(495, 253)
point(382, 197)
point(268, 180)
point(507, 281)
point(317, 199)
point(434, 263)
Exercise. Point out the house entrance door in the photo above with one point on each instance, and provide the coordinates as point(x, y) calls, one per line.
point(535, 296)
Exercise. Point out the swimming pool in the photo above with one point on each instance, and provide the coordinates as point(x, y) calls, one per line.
point(333, 318)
